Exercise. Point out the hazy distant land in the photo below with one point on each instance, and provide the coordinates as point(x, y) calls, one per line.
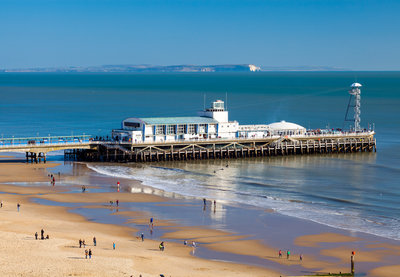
point(172, 68)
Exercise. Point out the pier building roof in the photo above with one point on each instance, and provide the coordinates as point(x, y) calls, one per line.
point(283, 125)
point(174, 120)
point(356, 85)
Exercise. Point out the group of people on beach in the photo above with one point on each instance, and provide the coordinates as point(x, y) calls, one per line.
point(83, 243)
point(116, 203)
point(42, 237)
point(205, 204)
point(18, 205)
point(185, 242)
point(161, 246)
point(53, 179)
point(87, 252)
point(288, 255)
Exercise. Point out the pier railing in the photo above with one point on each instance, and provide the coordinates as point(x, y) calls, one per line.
point(308, 135)
point(87, 139)
point(44, 141)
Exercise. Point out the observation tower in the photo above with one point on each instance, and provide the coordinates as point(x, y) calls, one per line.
point(355, 103)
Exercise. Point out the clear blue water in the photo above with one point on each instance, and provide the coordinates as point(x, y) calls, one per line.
point(355, 192)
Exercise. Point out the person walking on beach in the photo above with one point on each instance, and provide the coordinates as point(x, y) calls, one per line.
point(36, 235)
point(288, 254)
point(86, 253)
point(84, 244)
point(204, 201)
point(114, 245)
point(94, 241)
point(280, 253)
point(18, 206)
point(90, 253)
point(1, 204)
point(301, 257)
point(42, 234)
point(117, 202)
point(80, 243)
point(161, 246)
point(142, 236)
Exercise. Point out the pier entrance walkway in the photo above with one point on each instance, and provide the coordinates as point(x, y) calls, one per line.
point(37, 147)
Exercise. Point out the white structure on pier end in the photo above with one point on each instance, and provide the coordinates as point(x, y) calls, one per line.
point(284, 128)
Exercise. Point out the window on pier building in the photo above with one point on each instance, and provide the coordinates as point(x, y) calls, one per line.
point(170, 129)
point(132, 124)
point(192, 129)
point(218, 105)
point(159, 129)
point(202, 128)
point(212, 128)
point(181, 129)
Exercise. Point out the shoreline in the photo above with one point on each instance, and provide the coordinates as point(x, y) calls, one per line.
point(210, 239)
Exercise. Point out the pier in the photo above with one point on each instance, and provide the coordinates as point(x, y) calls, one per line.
point(85, 148)
point(116, 151)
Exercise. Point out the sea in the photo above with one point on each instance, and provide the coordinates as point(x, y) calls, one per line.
point(357, 192)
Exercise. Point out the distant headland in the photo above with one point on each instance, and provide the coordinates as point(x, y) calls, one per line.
point(172, 68)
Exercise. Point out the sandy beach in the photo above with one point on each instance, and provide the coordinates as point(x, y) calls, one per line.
point(61, 255)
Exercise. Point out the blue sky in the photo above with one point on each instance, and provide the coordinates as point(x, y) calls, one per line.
point(353, 34)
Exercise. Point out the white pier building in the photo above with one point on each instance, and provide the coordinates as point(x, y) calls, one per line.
point(212, 123)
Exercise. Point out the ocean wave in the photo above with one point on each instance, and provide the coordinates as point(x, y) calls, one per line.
point(321, 209)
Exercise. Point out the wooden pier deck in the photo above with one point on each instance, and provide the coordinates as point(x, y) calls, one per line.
point(226, 149)
point(83, 148)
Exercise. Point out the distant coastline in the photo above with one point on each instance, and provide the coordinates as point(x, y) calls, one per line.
point(172, 68)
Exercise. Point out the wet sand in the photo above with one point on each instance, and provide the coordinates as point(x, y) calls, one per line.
point(220, 234)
